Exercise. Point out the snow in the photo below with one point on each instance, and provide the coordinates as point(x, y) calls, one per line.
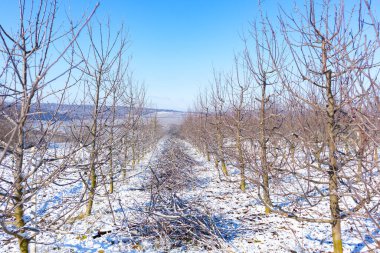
point(239, 212)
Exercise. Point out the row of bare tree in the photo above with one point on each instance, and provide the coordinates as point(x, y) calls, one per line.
point(72, 117)
point(299, 116)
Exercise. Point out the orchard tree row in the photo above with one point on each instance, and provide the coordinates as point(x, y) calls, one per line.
point(299, 115)
point(71, 114)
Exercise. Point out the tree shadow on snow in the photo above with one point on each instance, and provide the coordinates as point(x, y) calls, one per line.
point(357, 247)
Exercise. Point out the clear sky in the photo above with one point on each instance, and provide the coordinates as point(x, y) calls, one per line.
point(174, 43)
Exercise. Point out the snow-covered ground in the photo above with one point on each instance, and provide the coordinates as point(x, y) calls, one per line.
point(246, 227)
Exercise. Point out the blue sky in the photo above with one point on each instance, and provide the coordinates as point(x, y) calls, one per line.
point(174, 43)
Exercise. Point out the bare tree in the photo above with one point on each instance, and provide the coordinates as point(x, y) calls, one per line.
point(101, 60)
point(218, 105)
point(323, 149)
point(239, 97)
point(202, 107)
point(118, 85)
point(263, 71)
point(134, 100)
point(25, 82)
point(329, 57)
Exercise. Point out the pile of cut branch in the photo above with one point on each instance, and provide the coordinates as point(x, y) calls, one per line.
point(176, 223)
point(173, 171)
point(172, 221)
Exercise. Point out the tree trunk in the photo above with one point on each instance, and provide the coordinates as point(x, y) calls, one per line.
point(216, 162)
point(207, 152)
point(220, 151)
point(133, 155)
point(241, 161)
point(224, 167)
point(263, 147)
point(94, 153)
point(19, 157)
point(375, 156)
point(293, 153)
point(111, 140)
point(23, 244)
point(19, 197)
point(111, 171)
point(92, 189)
point(124, 170)
point(333, 169)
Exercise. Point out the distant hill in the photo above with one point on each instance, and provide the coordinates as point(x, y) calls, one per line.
point(65, 112)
